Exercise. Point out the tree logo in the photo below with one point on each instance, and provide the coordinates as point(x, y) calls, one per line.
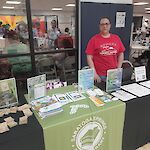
point(89, 135)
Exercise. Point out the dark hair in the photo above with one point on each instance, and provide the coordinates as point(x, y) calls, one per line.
point(11, 35)
point(67, 29)
point(105, 18)
point(53, 21)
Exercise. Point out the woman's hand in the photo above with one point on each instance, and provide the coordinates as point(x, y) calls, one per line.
point(97, 78)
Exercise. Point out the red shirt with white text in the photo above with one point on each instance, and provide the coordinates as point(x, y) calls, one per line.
point(105, 52)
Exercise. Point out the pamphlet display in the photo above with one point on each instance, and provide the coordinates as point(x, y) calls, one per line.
point(136, 89)
point(36, 87)
point(145, 83)
point(140, 73)
point(85, 79)
point(53, 84)
point(122, 95)
point(8, 93)
point(114, 79)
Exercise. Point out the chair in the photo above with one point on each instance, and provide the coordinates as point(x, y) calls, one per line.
point(69, 68)
point(127, 71)
point(47, 66)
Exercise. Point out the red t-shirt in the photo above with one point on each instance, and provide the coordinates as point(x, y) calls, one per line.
point(105, 52)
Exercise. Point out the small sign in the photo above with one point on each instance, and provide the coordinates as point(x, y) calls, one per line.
point(140, 73)
point(120, 19)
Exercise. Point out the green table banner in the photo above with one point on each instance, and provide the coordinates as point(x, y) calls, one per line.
point(88, 128)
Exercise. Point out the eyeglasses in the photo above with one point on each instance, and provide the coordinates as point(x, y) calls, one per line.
point(103, 24)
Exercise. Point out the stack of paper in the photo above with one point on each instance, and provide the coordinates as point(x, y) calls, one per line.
point(75, 96)
point(136, 89)
point(146, 84)
point(50, 110)
point(122, 95)
point(47, 106)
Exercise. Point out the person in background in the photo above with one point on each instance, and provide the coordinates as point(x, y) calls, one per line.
point(20, 64)
point(13, 45)
point(1, 29)
point(53, 34)
point(104, 51)
point(67, 31)
point(145, 29)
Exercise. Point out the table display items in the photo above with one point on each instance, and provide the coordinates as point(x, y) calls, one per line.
point(85, 79)
point(136, 89)
point(9, 121)
point(47, 106)
point(145, 83)
point(8, 93)
point(53, 84)
point(122, 95)
point(114, 79)
point(36, 87)
point(140, 73)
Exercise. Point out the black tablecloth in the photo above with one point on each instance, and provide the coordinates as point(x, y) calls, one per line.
point(137, 121)
point(22, 137)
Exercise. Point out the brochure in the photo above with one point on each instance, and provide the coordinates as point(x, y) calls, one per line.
point(47, 106)
point(140, 73)
point(36, 87)
point(75, 96)
point(136, 89)
point(85, 79)
point(146, 84)
point(8, 93)
point(122, 95)
point(114, 79)
point(53, 84)
point(63, 98)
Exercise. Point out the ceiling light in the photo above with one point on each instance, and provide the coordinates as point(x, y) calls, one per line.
point(13, 2)
point(57, 8)
point(70, 5)
point(147, 12)
point(7, 7)
point(147, 8)
point(141, 3)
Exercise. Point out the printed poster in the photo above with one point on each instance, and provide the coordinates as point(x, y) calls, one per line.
point(8, 93)
point(114, 79)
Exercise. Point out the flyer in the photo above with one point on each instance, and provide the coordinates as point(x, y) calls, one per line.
point(136, 89)
point(75, 95)
point(140, 73)
point(8, 93)
point(36, 87)
point(114, 79)
point(85, 79)
point(122, 95)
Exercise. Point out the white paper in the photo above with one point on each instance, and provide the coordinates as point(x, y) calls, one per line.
point(122, 95)
point(145, 83)
point(75, 96)
point(136, 89)
point(120, 19)
point(140, 73)
point(39, 91)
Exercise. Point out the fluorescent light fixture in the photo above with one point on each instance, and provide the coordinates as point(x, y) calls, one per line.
point(57, 8)
point(147, 8)
point(7, 7)
point(141, 3)
point(13, 2)
point(147, 12)
point(70, 5)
